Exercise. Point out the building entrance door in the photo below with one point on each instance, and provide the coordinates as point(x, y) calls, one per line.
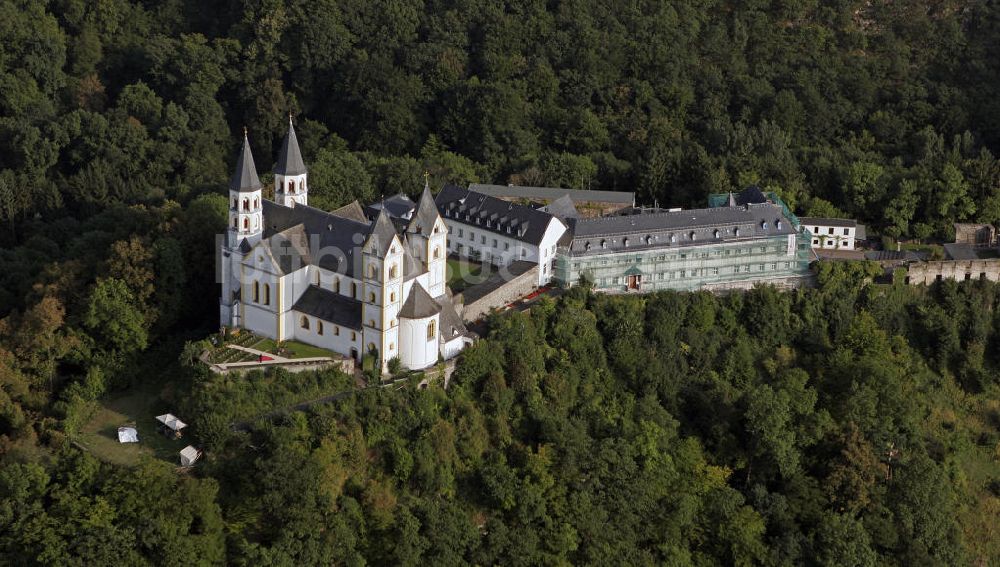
point(634, 281)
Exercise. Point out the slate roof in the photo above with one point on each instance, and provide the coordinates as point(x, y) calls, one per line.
point(960, 251)
point(451, 323)
point(382, 232)
point(623, 198)
point(419, 305)
point(425, 215)
point(330, 306)
point(819, 221)
point(493, 214)
point(289, 157)
point(562, 208)
point(398, 206)
point(333, 240)
point(679, 228)
point(245, 178)
point(352, 211)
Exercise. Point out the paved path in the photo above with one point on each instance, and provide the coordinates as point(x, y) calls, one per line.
point(259, 353)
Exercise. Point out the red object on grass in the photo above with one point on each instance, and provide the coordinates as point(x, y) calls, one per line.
point(265, 358)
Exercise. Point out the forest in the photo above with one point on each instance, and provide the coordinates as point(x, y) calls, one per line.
point(851, 424)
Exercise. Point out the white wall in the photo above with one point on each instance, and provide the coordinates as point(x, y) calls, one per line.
point(832, 237)
point(507, 248)
point(330, 339)
point(417, 350)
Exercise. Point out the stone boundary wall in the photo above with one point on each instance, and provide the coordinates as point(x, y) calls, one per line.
point(505, 294)
point(783, 283)
point(929, 272)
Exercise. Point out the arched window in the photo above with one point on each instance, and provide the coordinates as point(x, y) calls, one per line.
point(302, 185)
point(625, 242)
point(256, 203)
point(392, 297)
point(372, 271)
point(371, 323)
point(371, 297)
point(437, 229)
point(371, 347)
point(246, 224)
point(236, 224)
point(336, 331)
point(304, 322)
point(319, 327)
point(354, 290)
point(246, 204)
point(393, 271)
point(431, 330)
point(392, 347)
point(234, 203)
point(392, 323)
point(267, 294)
point(256, 291)
point(291, 187)
point(336, 285)
point(437, 252)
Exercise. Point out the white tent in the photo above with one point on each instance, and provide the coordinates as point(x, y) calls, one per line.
point(128, 435)
point(189, 455)
point(171, 421)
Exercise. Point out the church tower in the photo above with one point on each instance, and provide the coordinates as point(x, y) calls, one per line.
point(245, 213)
point(290, 187)
point(428, 239)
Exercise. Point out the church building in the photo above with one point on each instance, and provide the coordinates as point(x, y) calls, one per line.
point(336, 280)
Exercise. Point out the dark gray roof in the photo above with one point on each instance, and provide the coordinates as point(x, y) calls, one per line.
point(382, 232)
point(750, 196)
point(552, 193)
point(819, 221)
point(426, 214)
point(419, 305)
point(290, 249)
point(290, 158)
point(562, 208)
point(398, 206)
point(451, 323)
point(680, 228)
point(352, 211)
point(493, 214)
point(411, 267)
point(330, 306)
point(334, 241)
point(960, 251)
point(245, 177)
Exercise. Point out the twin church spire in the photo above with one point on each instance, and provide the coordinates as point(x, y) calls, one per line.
point(290, 173)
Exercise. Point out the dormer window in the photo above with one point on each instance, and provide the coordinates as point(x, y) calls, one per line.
point(715, 233)
point(763, 225)
point(736, 231)
point(777, 224)
point(604, 244)
point(587, 246)
point(649, 240)
point(693, 235)
point(673, 238)
point(625, 242)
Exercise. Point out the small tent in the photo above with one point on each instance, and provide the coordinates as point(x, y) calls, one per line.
point(189, 456)
point(128, 435)
point(170, 424)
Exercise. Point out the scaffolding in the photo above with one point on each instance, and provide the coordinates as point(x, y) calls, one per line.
point(711, 265)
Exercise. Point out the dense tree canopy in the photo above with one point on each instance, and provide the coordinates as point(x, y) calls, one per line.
point(850, 424)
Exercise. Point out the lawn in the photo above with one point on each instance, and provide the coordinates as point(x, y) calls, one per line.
point(137, 407)
point(293, 349)
point(463, 273)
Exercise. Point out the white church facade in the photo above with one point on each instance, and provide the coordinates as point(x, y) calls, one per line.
point(336, 280)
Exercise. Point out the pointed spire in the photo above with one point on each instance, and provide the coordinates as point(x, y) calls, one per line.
point(426, 213)
point(290, 158)
point(245, 177)
point(382, 232)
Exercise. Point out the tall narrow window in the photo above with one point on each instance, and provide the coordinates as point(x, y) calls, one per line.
point(256, 291)
point(336, 285)
point(319, 327)
point(393, 271)
point(354, 290)
point(256, 203)
point(246, 224)
point(302, 186)
point(304, 322)
point(291, 187)
point(267, 294)
point(317, 277)
point(437, 252)
point(431, 330)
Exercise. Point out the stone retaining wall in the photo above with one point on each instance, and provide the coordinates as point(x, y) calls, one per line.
point(505, 294)
point(929, 272)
